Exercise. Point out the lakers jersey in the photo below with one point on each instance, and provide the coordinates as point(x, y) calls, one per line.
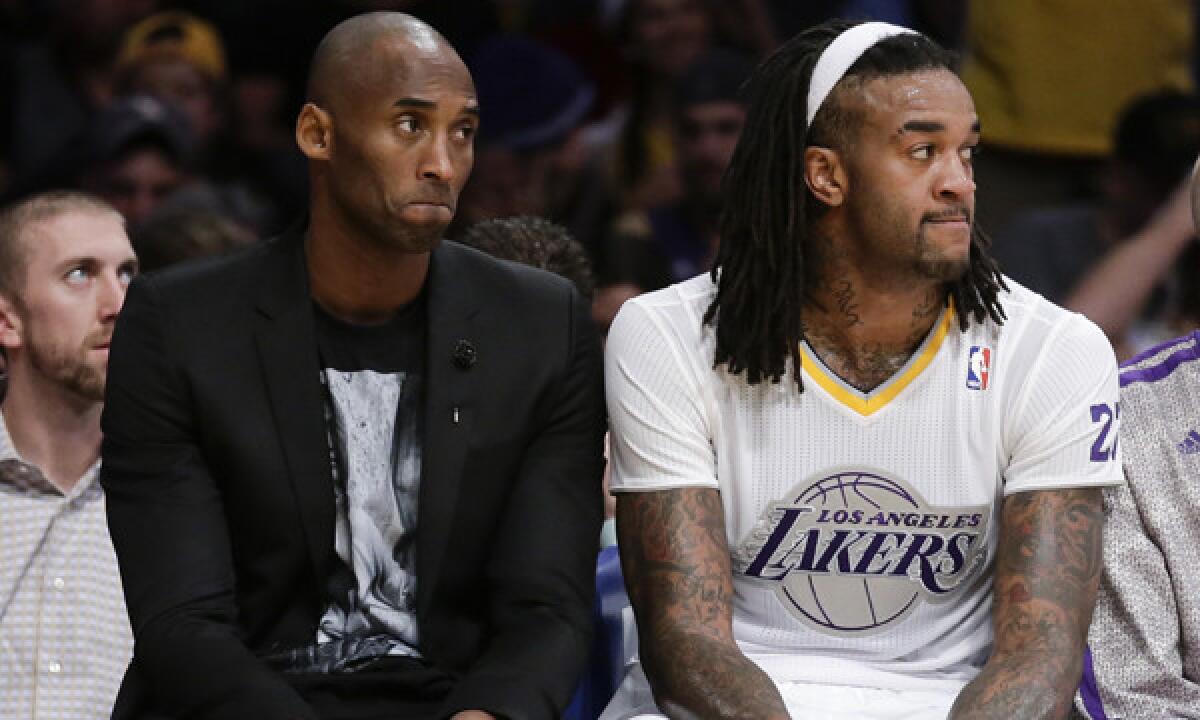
point(863, 527)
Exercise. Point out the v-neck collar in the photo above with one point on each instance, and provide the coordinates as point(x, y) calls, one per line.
point(869, 403)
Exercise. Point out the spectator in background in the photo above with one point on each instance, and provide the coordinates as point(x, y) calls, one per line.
point(941, 20)
point(649, 249)
point(1049, 88)
point(535, 242)
point(178, 234)
point(708, 117)
point(56, 84)
point(1142, 290)
point(1115, 293)
point(531, 159)
point(662, 38)
point(138, 152)
point(65, 641)
point(180, 59)
point(1050, 250)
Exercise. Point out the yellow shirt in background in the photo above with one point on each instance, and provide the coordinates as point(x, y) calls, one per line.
point(1053, 75)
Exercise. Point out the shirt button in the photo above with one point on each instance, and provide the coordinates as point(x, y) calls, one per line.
point(58, 583)
point(54, 667)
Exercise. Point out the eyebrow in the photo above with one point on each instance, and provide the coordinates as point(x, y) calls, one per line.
point(930, 126)
point(93, 261)
point(414, 102)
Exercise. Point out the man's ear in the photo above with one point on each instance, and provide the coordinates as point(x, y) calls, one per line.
point(11, 326)
point(314, 132)
point(825, 175)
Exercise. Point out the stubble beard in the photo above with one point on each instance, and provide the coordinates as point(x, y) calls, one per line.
point(931, 263)
point(414, 239)
point(70, 368)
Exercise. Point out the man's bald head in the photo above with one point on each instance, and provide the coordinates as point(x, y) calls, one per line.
point(388, 130)
point(346, 55)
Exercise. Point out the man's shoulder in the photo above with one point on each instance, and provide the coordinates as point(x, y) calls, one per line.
point(1175, 357)
point(1036, 320)
point(684, 298)
point(496, 279)
point(1162, 374)
point(225, 275)
point(677, 309)
point(1044, 348)
point(1022, 303)
point(1160, 437)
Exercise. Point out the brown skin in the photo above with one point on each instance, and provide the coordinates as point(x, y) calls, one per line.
point(390, 150)
point(896, 229)
point(390, 140)
point(897, 225)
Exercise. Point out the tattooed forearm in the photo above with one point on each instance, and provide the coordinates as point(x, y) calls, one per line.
point(676, 565)
point(1047, 572)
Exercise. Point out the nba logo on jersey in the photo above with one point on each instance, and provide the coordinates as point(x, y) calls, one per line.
point(979, 367)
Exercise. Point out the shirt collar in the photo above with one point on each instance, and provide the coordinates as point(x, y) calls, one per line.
point(16, 472)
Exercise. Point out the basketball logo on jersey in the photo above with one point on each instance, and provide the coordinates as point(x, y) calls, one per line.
point(979, 367)
point(853, 552)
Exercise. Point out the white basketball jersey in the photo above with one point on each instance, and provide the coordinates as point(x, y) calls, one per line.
point(863, 526)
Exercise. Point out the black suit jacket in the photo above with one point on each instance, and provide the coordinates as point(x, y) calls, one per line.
point(220, 499)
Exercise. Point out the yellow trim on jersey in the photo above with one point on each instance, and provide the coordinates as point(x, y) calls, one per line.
point(867, 405)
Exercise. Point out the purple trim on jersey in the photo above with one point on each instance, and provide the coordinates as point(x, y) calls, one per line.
point(1166, 366)
point(1088, 690)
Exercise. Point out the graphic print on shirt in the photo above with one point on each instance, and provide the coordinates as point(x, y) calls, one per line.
point(852, 551)
point(376, 519)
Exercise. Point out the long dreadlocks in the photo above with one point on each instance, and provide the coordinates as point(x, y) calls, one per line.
point(759, 269)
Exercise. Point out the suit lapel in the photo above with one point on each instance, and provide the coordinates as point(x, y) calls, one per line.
point(288, 353)
point(450, 397)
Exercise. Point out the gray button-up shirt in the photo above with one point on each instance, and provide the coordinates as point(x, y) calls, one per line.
point(64, 632)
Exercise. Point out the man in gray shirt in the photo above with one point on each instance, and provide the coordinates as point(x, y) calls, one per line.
point(1145, 634)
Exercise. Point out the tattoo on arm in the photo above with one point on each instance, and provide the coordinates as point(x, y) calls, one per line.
point(1047, 573)
point(676, 565)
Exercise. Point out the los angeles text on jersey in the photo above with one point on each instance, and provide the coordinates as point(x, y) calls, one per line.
point(854, 551)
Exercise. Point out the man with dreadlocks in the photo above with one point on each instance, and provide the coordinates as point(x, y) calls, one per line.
point(858, 469)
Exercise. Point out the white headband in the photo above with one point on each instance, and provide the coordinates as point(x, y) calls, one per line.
point(840, 54)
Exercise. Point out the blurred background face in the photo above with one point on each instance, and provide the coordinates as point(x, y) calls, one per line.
point(708, 135)
point(78, 267)
point(669, 35)
point(183, 86)
point(505, 183)
point(137, 182)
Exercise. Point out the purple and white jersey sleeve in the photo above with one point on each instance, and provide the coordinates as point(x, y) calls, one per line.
point(1145, 635)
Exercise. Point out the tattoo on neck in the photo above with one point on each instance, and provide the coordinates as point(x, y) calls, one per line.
point(846, 305)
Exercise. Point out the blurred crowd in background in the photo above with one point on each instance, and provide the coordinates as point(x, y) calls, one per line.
point(615, 119)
